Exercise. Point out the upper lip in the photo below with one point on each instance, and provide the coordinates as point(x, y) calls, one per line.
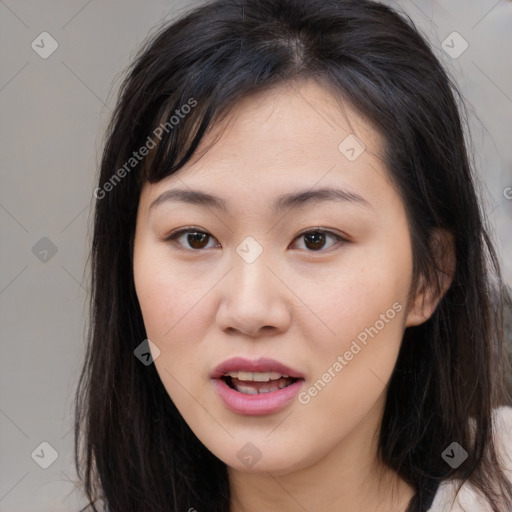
point(262, 364)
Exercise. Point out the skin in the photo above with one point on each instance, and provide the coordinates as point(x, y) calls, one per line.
point(300, 306)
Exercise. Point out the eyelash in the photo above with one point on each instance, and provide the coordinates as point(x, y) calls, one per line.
point(177, 234)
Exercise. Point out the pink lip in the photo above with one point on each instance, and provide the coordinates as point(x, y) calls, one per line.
point(263, 403)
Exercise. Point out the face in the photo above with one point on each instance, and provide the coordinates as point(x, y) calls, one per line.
point(278, 319)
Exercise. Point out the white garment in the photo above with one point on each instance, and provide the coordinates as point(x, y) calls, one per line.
point(468, 500)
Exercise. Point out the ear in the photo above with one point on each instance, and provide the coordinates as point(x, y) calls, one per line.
point(428, 294)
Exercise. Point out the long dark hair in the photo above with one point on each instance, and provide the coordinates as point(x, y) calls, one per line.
point(133, 450)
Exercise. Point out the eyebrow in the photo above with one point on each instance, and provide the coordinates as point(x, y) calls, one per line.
point(284, 202)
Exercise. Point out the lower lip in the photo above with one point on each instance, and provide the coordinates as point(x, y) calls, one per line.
point(260, 404)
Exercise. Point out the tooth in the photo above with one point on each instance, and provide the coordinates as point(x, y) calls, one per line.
point(261, 376)
point(247, 390)
point(269, 389)
point(256, 376)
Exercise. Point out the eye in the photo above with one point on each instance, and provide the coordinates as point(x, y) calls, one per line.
point(315, 239)
point(195, 238)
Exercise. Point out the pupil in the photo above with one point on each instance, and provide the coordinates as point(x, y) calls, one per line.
point(196, 238)
point(318, 239)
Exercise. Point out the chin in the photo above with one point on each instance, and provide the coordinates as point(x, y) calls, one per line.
point(252, 456)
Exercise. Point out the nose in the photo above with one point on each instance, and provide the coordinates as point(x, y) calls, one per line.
point(255, 301)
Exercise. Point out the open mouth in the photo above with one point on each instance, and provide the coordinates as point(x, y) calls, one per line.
point(256, 387)
point(255, 383)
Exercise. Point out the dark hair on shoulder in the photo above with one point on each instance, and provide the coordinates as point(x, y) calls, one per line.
point(133, 450)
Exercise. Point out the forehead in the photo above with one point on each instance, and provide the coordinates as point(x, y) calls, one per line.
point(295, 134)
point(293, 120)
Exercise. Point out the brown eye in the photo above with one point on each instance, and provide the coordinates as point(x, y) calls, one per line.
point(314, 240)
point(197, 239)
point(193, 239)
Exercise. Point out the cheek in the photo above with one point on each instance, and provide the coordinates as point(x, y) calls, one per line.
point(370, 308)
point(174, 317)
point(351, 297)
point(350, 369)
point(169, 296)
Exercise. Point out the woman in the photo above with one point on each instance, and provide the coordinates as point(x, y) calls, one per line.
point(296, 304)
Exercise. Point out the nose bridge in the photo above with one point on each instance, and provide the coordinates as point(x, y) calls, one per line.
point(252, 299)
point(250, 250)
point(250, 267)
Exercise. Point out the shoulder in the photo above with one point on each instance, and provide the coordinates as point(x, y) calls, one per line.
point(467, 499)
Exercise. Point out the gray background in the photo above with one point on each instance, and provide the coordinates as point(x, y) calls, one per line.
point(53, 114)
